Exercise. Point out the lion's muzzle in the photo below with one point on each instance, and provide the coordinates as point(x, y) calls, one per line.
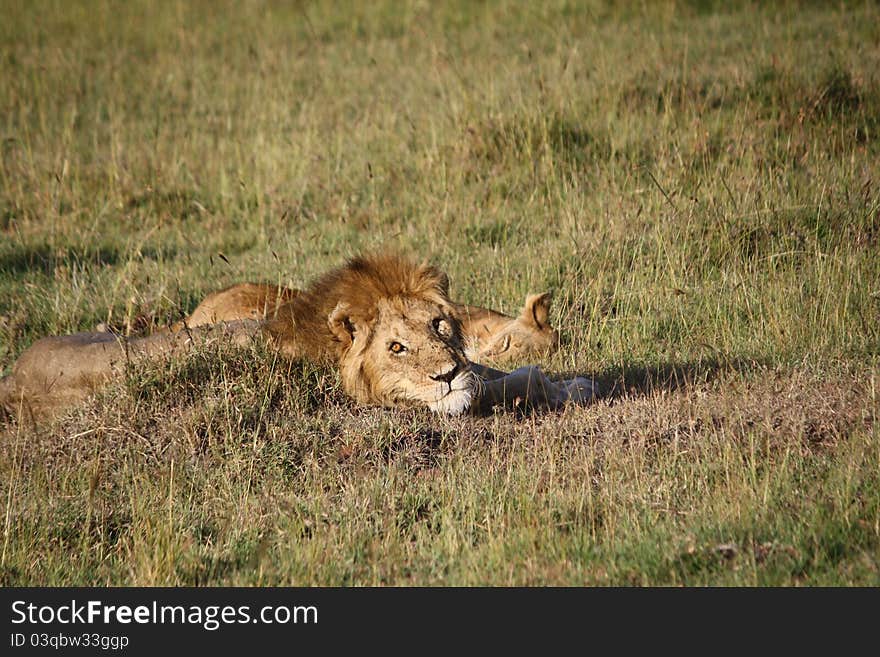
point(461, 385)
point(448, 377)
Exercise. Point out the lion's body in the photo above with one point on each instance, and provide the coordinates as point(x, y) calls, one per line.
point(386, 324)
point(487, 334)
point(62, 370)
point(241, 301)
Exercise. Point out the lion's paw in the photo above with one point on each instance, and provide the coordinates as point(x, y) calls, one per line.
point(579, 390)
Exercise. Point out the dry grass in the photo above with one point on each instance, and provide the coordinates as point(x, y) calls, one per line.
point(698, 184)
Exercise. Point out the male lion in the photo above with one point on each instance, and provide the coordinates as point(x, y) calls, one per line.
point(486, 334)
point(385, 323)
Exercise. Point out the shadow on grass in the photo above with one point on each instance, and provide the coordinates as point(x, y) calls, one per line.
point(420, 448)
point(44, 258)
point(646, 379)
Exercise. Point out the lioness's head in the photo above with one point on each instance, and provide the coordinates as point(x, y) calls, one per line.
point(527, 335)
point(401, 342)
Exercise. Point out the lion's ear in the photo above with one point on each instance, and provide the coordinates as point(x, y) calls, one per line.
point(346, 326)
point(443, 283)
point(339, 321)
point(537, 310)
point(432, 279)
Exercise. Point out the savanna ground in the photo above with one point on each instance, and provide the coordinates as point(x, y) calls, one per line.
point(699, 185)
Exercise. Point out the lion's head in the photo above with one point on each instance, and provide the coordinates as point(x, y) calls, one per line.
point(389, 326)
point(527, 335)
point(409, 352)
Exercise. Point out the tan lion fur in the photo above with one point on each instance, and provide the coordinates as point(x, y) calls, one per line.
point(491, 336)
point(241, 301)
point(387, 324)
point(59, 371)
point(351, 315)
point(488, 335)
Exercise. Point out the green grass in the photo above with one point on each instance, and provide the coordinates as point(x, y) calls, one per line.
point(698, 182)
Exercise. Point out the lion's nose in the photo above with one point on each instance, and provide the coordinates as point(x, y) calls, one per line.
point(447, 377)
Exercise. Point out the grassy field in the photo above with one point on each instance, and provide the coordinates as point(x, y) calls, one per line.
point(698, 183)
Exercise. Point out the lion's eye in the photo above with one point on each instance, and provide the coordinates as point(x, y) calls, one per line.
point(396, 348)
point(442, 327)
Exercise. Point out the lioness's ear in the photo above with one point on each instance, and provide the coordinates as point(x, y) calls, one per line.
point(537, 310)
point(339, 321)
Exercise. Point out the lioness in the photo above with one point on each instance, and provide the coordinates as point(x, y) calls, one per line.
point(385, 323)
point(241, 301)
point(487, 334)
point(60, 371)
